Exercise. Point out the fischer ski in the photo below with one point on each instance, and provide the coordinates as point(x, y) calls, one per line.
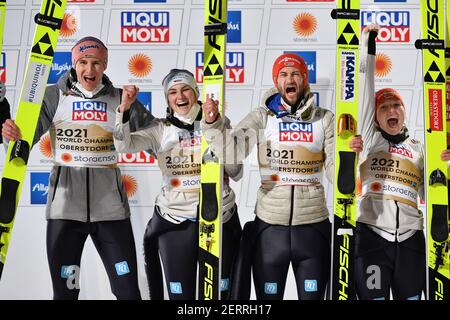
point(342, 282)
point(435, 180)
point(211, 177)
point(48, 23)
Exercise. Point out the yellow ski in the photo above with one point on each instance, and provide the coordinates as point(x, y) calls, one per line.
point(435, 180)
point(48, 24)
point(211, 178)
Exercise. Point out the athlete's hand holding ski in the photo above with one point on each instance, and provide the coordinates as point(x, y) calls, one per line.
point(356, 144)
point(211, 110)
point(10, 130)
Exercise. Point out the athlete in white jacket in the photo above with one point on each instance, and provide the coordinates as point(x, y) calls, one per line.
point(172, 232)
point(389, 224)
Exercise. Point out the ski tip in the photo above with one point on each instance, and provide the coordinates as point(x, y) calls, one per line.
point(333, 14)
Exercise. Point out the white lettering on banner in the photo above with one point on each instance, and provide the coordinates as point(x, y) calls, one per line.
point(145, 35)
point(135, 158)
point(145, 19)
point(40, 187)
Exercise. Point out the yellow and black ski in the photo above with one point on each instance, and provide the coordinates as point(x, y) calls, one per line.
point(347, 15)
point(48, 23)
point(211, 178)
point(432, 45)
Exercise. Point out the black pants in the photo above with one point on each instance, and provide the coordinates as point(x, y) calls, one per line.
point(177, 245)
point(114, 242)
point(381, 265)
point(306, 246)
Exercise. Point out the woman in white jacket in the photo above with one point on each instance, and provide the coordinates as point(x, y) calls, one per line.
point(172, 232)
point(389, 224)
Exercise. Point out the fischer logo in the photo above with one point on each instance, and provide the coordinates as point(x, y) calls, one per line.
point(343, 267)
point(145, 27)
point(190, 139)
point(348, 65)
point(394, 25)
point(3, 68)
point(89, 111)
point(141, 157)
point(208, 280)
point(435, 109)
point(296, 131)
point(234, 67)
point(439, 292)
point(433, 24)
point(400, 149)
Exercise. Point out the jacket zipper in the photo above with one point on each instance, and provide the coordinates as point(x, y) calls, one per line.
point(291, 215)
point(56, 182)
point(118, 186)
point(88, 208)
point(397, 221)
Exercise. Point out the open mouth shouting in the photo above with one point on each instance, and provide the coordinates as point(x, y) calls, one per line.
point(392, 122)
point(90, 80)
point(183, 105)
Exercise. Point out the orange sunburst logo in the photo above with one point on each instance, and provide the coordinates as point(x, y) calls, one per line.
point(66, 157)
point(140, 65)
point(45, 146)
point(175, 183)
point(305, 24)
point(275, 178)
point(376, 186)
point(129, 184)
point(69, 25)
point(383, 65)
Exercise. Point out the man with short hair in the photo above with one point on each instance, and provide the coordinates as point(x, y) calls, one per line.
point(86, 194)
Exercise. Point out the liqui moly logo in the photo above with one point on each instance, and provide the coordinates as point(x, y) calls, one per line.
point(190, 139)
point(136, 158)
point(3, 67)
point(234, 67)
point(400, 149)
point(296, 131)
point(347, 70)
point(145, 26)
point(394, 25)
point(89, 111)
